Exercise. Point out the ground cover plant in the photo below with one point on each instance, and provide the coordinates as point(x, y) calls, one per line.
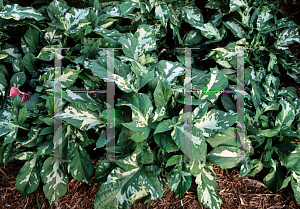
point(149, 77)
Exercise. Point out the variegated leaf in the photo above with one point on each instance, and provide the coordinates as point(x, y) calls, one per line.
point(73, 21)
point(207, 191)
point(236, 4)
point(263, 18)
point(169, 70)
point(68, 77)
point(209, 31)
point(287, 37)
point(295, 182)
point(235, 28)
point(213, 82)
point(215, 121)
point(293, 160)
point(287, 115)
point(81, 117)
point(194, 146)
point(16, 12)
point(162, 12)
point(140, 105)
point(55, 180)
point(192, 15)
point(224, 156)
point(128, 183)
point(180, 179)
point(128, 6)
point(28, 178)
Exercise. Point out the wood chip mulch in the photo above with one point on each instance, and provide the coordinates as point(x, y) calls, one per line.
point(236, 192)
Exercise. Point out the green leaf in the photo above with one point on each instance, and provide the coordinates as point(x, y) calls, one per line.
point(29, 41)
point(180, 179)
point(50, 106)
point(162, 93)
point(173, 160)
point(165, 141)
point(17, 65)
point(32, 138)
point(287, 37)
point(215, 121)
point(45, 148)
point(216, 18)
point(207, 191)
point(209, 86)
point(18, 79)
point(270, 132)
point(101, 142)
point(130, 46)
point(140, 136)
point(46, 131)
point(126, 183)
point(224, 156)
point(227, 102)
point(3, 84)
point(235, 28)
point(28, 62)
point(274, 179)
point(28, 178)
point(22, 115)
point(55, 180)
point(81, 166)
point(164, 126)
point(7, 153)
point(17, 12)
point(162, 12)
point(32, 102)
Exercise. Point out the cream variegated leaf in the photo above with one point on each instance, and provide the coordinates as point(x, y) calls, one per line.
point(28, 178)
point(55, 179)
point(215, 121)
point(16, 12)
point(127, 183)
point(81, 117)
point(207, 191)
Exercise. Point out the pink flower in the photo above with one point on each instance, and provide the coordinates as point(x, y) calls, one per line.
point(15, 91)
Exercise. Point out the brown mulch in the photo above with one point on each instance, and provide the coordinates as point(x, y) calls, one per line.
point(236, 192)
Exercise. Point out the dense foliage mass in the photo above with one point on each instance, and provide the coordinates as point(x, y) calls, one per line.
point(149, 98)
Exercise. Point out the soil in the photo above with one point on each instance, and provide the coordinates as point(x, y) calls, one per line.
point(236, 192)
